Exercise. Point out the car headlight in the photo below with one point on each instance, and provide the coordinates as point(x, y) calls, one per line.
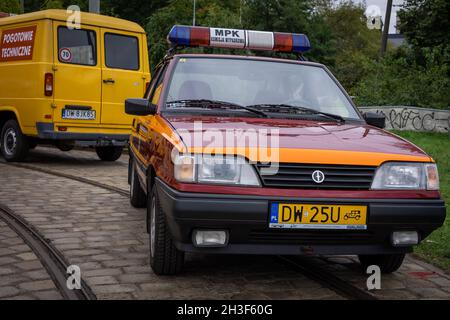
point(218, 169)
point(406, 176)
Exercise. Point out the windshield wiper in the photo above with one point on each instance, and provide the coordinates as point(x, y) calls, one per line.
point(297, 108)
point(205, 103)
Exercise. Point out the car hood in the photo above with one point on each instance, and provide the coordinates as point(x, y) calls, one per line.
point(297, 136)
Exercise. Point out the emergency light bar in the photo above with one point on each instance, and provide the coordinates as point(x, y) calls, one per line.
point(238, 39)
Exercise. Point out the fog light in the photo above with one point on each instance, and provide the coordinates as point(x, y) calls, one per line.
point(210, 238)
point(404, 238)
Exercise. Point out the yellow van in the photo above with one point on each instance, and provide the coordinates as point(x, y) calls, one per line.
point(67, 86)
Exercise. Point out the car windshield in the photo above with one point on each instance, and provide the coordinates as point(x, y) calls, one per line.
point(269, 85)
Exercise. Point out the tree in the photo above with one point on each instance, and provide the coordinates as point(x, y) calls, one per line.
point(133, 10)
point(209, 13)
point(354, 44)
point(10, 6)
point(425, 23)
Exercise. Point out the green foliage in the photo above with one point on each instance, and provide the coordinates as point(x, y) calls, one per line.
point(10, 6)
point(400, 80)
point(209, 13)
point(425, 23)
point(354, 43)
point(133, 10)
point(418, 74)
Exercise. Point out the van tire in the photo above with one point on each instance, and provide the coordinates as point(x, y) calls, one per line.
point(388, 263)
point(165, 258)
point(109, 153)
point(138, 198)
point(14, 144)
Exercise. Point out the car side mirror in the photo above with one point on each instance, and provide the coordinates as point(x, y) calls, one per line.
point(375, 119)
point(139, 107)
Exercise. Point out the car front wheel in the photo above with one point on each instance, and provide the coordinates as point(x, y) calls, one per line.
point(387, 263)
point(165, 258)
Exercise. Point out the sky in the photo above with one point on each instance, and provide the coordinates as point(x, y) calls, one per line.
point(381, 4)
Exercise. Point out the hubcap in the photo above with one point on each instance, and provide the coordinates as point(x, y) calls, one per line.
point(10, 141)
point(152, 227)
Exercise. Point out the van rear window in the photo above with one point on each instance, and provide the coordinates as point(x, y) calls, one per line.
point(121, 52)
point(77, 46)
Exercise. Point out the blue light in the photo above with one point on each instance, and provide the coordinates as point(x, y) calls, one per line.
point(180, 35)
point(300, 43)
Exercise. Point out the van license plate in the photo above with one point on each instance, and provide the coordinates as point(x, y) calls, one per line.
point(78, 114)
point(317, 216)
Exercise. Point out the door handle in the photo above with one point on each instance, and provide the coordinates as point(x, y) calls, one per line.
point(109, 81)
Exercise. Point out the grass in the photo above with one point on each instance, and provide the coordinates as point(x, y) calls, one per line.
point(436, 248)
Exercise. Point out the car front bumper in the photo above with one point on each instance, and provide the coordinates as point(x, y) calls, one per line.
point(246, 218)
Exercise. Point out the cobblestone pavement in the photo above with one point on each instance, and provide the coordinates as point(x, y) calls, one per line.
point(100, 231)
point(22, 275)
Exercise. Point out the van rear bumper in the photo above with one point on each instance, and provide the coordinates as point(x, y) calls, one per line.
point(46, 131)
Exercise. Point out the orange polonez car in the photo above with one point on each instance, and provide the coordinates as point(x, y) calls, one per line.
point(255, 155)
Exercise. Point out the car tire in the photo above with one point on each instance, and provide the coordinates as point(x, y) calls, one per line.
point(138, 198)
point(14, 144)
point(165, 258)
point(387, 263)
point(109, 153)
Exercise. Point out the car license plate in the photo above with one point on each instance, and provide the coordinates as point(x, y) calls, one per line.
point(317, 216)
point(78, 114)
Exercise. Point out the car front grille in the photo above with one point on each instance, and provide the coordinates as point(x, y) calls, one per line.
point(299, 176)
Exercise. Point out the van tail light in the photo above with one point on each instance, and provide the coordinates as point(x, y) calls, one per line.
point(48, 83)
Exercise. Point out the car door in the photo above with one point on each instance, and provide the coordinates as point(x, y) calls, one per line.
point(122, 74)
point(140, 137)
point(77, 76)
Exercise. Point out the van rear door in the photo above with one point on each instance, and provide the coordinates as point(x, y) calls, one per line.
point(122, 74)
point(77, 78)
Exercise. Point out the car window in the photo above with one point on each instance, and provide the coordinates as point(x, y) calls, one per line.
point(254, 82)
point(121, 52)
point(156, 86)
point(77, 46)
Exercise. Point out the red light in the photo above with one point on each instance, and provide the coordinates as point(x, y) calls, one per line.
point(283, 42)
point(200, 36)
point(48, 116)
point(48, 84)
point(62, 128)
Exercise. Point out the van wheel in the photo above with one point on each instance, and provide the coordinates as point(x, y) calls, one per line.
point(165, 258)
point(388, 263)
point(14, 145)
point(109, 153)
point(138, 198)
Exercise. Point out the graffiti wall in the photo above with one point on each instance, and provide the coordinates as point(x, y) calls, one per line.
point(413, 118)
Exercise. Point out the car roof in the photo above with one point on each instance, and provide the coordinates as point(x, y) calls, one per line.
point(86, 19)
point(245, 57)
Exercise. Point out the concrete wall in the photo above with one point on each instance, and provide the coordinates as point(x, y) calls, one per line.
point(413, 118)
